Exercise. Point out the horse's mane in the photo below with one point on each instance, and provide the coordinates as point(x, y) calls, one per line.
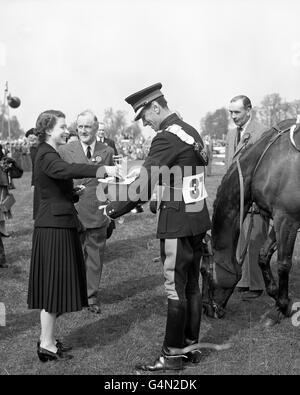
point(250, 155)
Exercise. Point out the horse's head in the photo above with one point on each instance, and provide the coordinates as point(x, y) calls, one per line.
point(220, 277)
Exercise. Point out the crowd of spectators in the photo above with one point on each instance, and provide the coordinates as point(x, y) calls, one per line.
point(134, 148)
point(19, 150)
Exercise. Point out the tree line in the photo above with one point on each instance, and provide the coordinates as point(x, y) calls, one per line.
point(271, 110)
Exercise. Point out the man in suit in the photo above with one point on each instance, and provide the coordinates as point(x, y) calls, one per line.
point(182, 223)
point(89, 150)
point(105, 140)
point(247, 127)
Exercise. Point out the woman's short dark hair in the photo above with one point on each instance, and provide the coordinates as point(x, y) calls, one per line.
point(46, 121)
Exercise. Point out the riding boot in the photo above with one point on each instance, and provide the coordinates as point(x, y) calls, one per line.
point(174, 337)
point(164, 362)
point(192, 327)
point(176, 319)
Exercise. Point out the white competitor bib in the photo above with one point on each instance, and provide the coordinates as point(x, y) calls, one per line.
point(193, 188)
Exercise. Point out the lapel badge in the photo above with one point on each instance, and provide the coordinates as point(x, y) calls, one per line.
point(98, 159)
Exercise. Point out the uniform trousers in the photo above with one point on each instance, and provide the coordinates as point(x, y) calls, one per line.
point(181, 263)
point(93, 243)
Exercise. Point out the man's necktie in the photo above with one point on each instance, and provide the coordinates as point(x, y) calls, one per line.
point(88, 152)
point(238, 134)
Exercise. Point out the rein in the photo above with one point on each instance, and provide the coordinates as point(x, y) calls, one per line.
point(242, 255)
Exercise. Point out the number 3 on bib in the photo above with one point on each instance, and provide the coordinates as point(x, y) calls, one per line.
point(193, 188)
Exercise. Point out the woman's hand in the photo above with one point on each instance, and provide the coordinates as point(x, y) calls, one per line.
point(115, 171)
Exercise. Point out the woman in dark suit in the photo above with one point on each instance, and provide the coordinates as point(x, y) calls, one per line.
point(57, 282)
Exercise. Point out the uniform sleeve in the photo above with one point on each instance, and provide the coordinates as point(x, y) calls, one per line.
point(55, 167)
point(161, 153)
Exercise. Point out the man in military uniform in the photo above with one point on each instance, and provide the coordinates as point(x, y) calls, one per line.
point(182, 222)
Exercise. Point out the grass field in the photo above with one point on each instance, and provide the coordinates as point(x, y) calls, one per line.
point(132, 323)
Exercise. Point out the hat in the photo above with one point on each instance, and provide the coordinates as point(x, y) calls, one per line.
point(141, 98)
point(29, 132)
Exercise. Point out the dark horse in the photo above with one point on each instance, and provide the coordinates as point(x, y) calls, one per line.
point(272, 181)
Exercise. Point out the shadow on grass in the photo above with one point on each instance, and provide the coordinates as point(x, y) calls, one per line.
point(240, 316)
point(22, 232)
point(17, 323)
point(126, 248)
point(109, 330)
point(128, 288)
point(16, 269)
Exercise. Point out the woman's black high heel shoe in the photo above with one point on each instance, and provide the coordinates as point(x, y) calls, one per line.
point(60, 345)
point(46, 355)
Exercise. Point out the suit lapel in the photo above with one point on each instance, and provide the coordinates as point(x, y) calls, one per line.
point(77, 153)
point(250, 129)
point(100, 152)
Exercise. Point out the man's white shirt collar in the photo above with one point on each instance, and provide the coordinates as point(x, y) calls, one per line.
point(84, 146)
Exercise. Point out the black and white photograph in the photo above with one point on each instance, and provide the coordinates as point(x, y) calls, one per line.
point(149, 190)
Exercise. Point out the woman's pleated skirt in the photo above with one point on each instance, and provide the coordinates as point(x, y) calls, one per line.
point(57, 280)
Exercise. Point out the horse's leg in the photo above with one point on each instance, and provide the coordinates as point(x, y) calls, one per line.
point(206, 285)
point(286, 243)
point(265, 256)
point(286, 233)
